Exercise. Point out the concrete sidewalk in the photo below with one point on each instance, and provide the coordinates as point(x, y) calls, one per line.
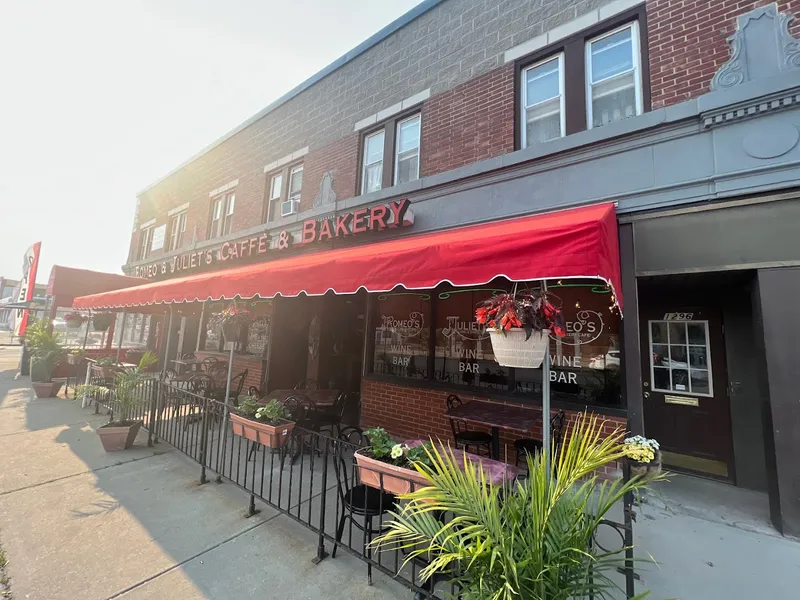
point(76, 522)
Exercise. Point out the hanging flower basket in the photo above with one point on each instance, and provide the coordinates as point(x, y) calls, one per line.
point(231, 321)
point(511, 349)
point(102, 321)
point(74, 320)
point(519, 325)
point(646, 470)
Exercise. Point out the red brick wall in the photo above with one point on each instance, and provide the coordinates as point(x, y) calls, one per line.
point(687, 43)
point(240, 363)
point(470, 122)
point(341, 160)
point(411, 412)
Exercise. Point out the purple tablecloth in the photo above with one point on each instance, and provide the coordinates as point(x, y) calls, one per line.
point(496, 472)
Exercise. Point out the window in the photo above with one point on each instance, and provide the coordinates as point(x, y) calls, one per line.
point(680, 357)
point(402, 334)
point(372, 176)
point(391, 154)
point(145, 240)
point(295, 183)
point(177, 228)
point(406, 166)
point(276, 186)
point(543, 114)
point(222, 215)
point(613, 77)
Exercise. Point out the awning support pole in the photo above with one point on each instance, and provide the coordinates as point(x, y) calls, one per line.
point(166, 347)
point(230, 366)
point(200, 327)
point(546, 402)
point(86, 334)
point(121, 333)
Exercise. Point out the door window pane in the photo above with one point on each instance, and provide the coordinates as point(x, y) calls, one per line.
point(681, 366)
point(543, 102)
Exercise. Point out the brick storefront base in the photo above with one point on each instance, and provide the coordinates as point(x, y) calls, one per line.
point(411, 412)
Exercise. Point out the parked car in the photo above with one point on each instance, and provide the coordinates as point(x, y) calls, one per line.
point(609, 360)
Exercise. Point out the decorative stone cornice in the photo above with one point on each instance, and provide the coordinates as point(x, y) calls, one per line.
point(751, 109)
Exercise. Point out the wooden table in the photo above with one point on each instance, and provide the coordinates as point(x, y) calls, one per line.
point(190, 362)
point(320, 398)
point(497, 416)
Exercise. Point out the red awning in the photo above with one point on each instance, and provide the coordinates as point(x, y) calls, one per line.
point(67, 283)
point(574, 243)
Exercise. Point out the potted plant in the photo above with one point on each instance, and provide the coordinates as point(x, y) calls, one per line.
point(102, 321)
point(76, 356)
point(390, 466)
point(643, 455)
point(127, 394)
point(519, 324)
point(105, 366)
point(533, 539)
point(261, 423)
point(46, 354)
point(134, 356)
point(231, 321)
point(74, 320)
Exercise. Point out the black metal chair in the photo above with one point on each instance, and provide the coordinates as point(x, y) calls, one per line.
point(307, 384)
point(205, 364)
point(254, 392)
point(200, 385)
point(237, 385)
point(356, 499)
point(525, 446)
point(466, 438)
point(332, 416)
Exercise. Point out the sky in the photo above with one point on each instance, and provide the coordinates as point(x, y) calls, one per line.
point(100, 98)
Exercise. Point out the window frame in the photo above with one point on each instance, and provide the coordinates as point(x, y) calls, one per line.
point(390, 128)
point(285, 173)
point(687, 345)
point(145, 233)
point(396, 152)
point(227, 204)
point(574, 49)
point(523, 120)
point(364, 165)
point(637, 69)
point(176, 238)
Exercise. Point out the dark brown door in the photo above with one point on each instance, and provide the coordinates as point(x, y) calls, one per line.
point(685, 388)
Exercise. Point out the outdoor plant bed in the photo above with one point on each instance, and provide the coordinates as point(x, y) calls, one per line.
point(118, 435)
point(387, 466)
point(519, 325)
point(105, 367)
point(263, 424)
point(47, 389)
point(102, 321)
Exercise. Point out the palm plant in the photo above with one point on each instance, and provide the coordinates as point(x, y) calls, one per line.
point(532, 539)
point(45, 348)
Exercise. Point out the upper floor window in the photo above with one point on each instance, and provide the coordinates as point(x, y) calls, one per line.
point(177, 229)
point(145, 241)
point(543, 114)
point(222, 215)
point(592, 78)
point(613, 75)
point(276, 186)
point(406, 166)
point(284, 200)
point(372, 176)
point(391, 155)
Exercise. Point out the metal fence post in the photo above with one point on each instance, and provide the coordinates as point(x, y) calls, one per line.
point(151, 419)
point(204, 441)
point(321, 553)
point(627, 507)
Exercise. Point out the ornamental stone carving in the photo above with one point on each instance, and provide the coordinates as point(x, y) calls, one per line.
point(761, 47)
point(326, 193)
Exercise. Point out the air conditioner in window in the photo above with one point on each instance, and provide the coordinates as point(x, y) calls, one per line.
point(290, 207)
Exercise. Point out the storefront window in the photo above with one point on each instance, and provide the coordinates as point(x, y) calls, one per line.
point(463, 353)
point(253, 340)
point(402, 334)
point(258, 332)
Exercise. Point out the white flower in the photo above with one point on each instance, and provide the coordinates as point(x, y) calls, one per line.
point(397, 451)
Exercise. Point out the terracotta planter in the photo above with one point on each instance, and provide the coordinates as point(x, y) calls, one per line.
point(75, 359)
point(116, 437)
point(396, 480)
point(272, 436)
point(646, 470)
point(106, 372)
point(47, 389)
point(511, 349)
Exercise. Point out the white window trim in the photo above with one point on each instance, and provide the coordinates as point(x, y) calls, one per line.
point(397, 145)
point(273, 177)
point(145, 233)
point(364, 163)
point(292, 171)
point(179, 219)
point(562, 96)
point(653, 387)
point(636, 44)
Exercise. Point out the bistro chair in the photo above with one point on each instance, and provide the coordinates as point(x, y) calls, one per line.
point(254, 392)
point(525, 446)
point(358, 503)
point(237, 385)
point(307, 384)
point(188, 356)
point(332, 416)
point(466, 438)
point(206, 363)
point(200, 385)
